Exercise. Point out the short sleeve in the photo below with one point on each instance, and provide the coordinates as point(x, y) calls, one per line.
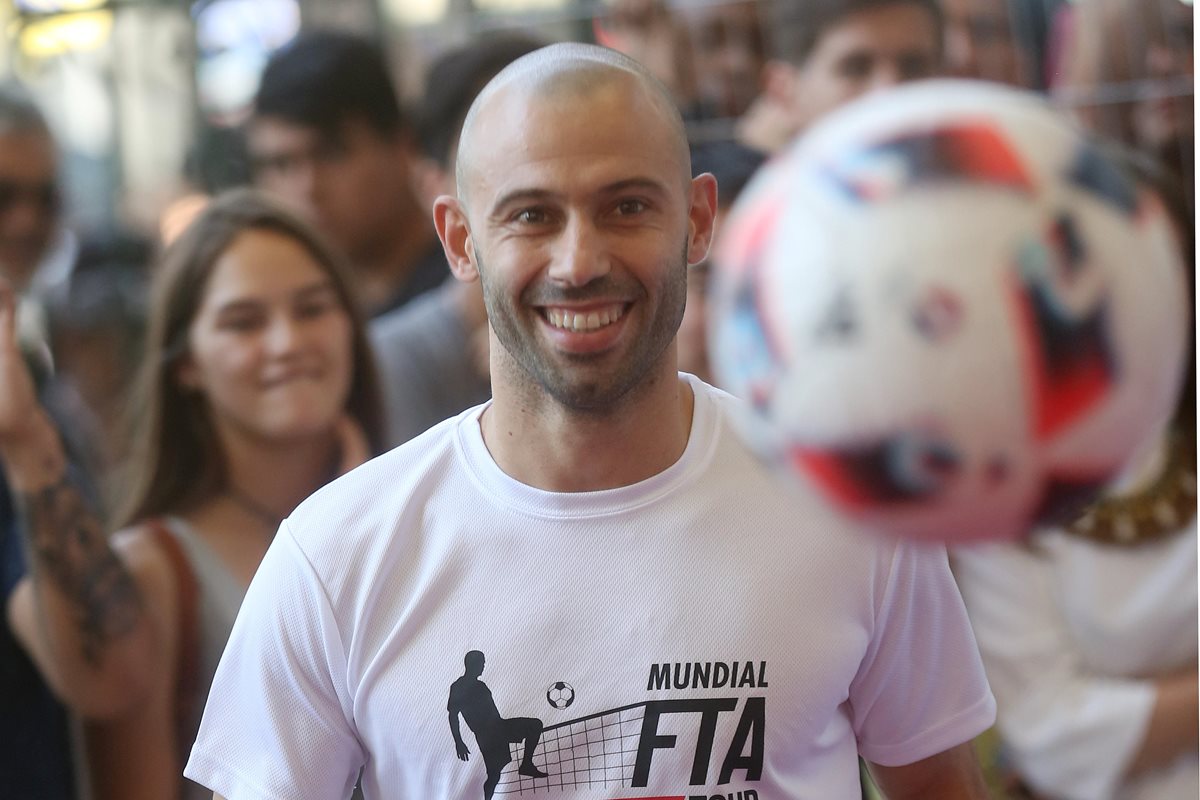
point(921, 688)
point(278, 721)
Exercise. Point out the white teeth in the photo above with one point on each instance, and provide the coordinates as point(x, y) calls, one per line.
point(590, 321)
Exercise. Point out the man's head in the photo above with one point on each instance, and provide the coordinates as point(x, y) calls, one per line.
point(329, 138)
point(29, 197)
point(473, 662)
point(577, 211)
point(727, 51)
point(981, 41)
point(828, 52)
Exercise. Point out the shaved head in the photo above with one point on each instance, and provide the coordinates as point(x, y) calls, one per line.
point(560, 72)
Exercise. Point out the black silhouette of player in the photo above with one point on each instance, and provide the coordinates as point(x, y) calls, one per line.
point(472, 698)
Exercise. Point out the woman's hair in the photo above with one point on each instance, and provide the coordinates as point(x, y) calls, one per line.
point(176, 461)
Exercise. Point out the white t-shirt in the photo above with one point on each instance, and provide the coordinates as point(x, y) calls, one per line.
point(1072, 634)
point(713, 631)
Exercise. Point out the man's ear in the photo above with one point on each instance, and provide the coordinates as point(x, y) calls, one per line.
point(701, 217)
point(450, 219)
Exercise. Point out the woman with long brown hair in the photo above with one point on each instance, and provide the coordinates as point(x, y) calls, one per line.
point(257, 387)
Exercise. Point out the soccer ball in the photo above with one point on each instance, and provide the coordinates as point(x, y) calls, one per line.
point(950, 314)
point(560, 695)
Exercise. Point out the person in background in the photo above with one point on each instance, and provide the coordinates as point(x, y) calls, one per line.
point(73, 632)
point(432, 353)
point(30, 198)
point(1128, 71)
point(96, 320)
point(1089, 631)
point(327, 135)
point(732, 165)
point(597, 520)
point(984, 40)
point(649, 32)
point(825, 53)
point(256, 388)
point(726, 51)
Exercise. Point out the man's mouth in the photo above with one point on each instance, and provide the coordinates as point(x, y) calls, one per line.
point(583, 320)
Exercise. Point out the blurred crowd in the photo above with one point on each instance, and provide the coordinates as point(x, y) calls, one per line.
point(195, 389)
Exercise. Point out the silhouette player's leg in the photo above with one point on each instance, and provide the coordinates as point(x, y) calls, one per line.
point(493, 778)
point(528, 730)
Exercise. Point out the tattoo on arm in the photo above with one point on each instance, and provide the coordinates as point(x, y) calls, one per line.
point(67, 547)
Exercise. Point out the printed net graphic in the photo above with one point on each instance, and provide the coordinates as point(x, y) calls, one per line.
point(597, 750)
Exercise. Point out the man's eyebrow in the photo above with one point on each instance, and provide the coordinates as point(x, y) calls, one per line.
point(542, 195)
point(522, 196)
point(643, 184)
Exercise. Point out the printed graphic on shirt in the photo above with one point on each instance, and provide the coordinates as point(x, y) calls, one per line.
point(619, 748)
point(471, 698)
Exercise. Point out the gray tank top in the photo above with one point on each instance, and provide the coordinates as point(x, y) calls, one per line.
point(220, 597)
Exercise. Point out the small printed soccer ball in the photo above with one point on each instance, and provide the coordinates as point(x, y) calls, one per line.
point(560, 695)
point(951, 315)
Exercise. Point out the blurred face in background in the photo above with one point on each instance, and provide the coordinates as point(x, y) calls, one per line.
point(270, 345)
point(29, 202)
point(727, 52)
point(867, 50)
point(1163, 112)
point(981, 42)
point(350, 183)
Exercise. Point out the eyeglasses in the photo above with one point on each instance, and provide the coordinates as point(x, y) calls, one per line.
point(43, 196)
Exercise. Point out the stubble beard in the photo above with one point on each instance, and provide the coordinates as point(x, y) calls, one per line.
point(575, 386)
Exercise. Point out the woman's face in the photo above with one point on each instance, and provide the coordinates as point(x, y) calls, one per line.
point(270, 346)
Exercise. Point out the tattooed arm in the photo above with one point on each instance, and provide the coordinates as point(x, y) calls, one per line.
point(77, 612)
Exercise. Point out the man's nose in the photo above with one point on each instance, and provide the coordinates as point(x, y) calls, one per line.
point(580, 256)
point(886, 76)
point(961, 54)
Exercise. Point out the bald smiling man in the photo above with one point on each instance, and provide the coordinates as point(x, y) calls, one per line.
point(659, 617)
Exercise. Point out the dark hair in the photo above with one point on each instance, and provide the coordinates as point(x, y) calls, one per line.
point(325, 78)
point(795, 27)
point(18, 111)
point(730, 162)
point(452, 83)
point(176, 460)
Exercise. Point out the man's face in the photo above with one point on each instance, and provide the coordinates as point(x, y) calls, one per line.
point(28, 202)
point(348, 183)
point(578, 210)
point(980, 42)
point(727, 53)
point(871, 49)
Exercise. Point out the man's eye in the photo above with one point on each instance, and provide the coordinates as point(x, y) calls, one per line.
point(333, 149)
point(531, 216)
point(855, 66)
point(261, 165)
point(914, 67)
point(630, 207)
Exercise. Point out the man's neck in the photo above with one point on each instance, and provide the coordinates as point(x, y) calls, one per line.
point(552, 448)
